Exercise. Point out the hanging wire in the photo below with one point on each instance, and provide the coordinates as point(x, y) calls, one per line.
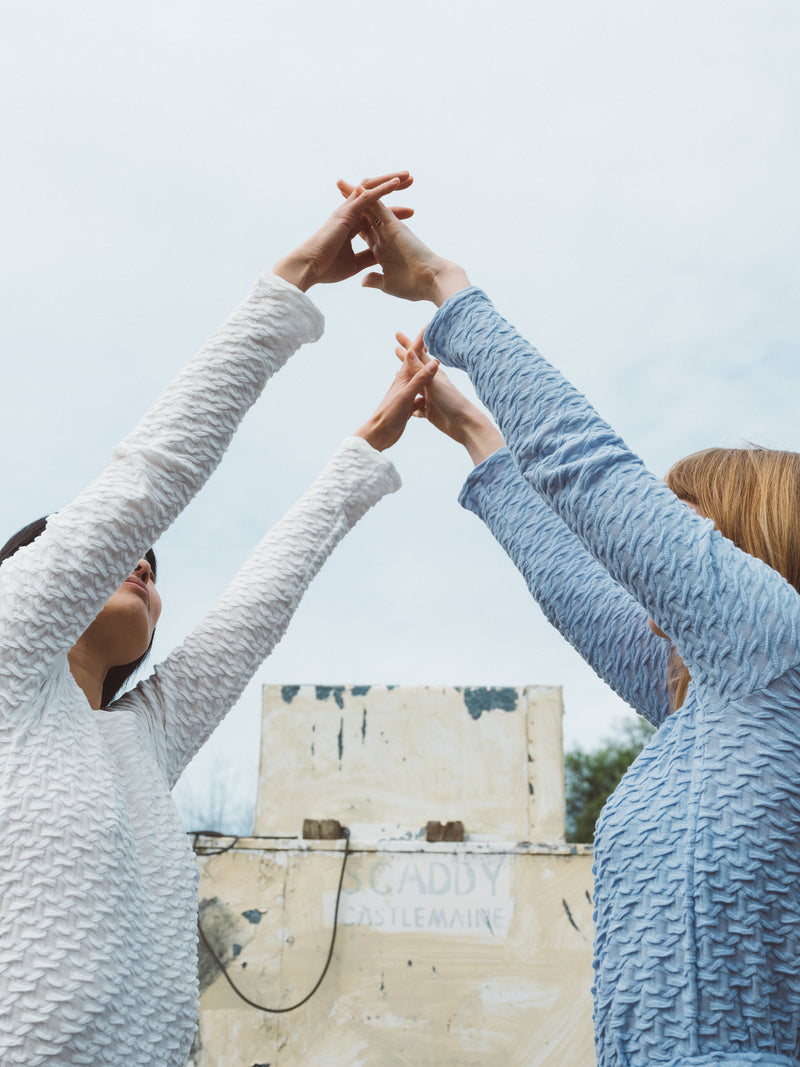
point(211, 851)
point(218, 961)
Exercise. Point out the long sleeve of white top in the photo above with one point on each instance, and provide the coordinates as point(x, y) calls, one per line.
point(190, 692)
point(51, 590)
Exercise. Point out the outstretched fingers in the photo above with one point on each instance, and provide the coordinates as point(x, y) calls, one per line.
point(328, 255)
point(348, 190)
point(422, 377)
point(369, 192)
point(403, 177)
point(405, 396)
point(417, 346)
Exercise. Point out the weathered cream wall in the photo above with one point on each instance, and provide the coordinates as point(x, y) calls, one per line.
point(472, 953)
point(443, 957)
point(385, 760)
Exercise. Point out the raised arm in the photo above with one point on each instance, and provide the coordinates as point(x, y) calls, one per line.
point(51, 590)
point(188, 695)
point(579, 598)
point(734, 620)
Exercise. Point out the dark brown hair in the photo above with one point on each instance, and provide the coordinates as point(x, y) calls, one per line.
point(116, 677)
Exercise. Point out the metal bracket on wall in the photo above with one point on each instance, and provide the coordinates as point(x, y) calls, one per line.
point(451, 831)
point(323, 830)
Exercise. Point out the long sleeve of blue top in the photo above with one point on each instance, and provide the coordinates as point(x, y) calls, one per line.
point(582, 601)
point(697, 865)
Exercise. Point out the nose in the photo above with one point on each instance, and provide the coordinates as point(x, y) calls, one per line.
point(144, 571)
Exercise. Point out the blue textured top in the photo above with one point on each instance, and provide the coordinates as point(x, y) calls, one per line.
point(697, 871)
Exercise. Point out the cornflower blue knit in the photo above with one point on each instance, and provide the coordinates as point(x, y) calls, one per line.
point(697, 865)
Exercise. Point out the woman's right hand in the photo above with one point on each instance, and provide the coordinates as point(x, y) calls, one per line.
point(410, 269)
point(328, 255)
point(446, 407)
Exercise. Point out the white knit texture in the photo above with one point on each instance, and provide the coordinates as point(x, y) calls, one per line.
point(98, 893)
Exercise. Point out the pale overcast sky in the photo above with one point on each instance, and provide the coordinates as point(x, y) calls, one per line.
point(621, 177)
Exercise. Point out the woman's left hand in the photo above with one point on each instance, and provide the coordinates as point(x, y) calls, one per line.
point(446, 407)
point(328, 255)
point(405, 397)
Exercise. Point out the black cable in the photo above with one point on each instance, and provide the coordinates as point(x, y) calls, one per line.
point(308, 996)
point(211, 833)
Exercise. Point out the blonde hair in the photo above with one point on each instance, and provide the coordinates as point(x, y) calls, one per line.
point(753, 497)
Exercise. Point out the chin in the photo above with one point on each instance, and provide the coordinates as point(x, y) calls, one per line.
point(125, 627)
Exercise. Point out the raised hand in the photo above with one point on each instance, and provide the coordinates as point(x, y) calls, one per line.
point(328, 255)
point(390, 418)
point(446, 407)
point(410, 269)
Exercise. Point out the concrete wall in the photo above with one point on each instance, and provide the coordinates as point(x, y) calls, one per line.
point(386, 759)
point(470, 953)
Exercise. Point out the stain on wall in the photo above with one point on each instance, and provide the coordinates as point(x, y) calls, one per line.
point(325, 692)
point(482, 699)
point(386, 760)
point(226, 932)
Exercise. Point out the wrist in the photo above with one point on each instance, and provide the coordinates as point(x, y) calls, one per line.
point(479, 436)
point(295, 270)
point(448, 279)
point(374, 433)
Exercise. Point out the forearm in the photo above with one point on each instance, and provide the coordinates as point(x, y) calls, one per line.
point(479, 436)
point(577, 596)
point(688, 577)
point(200, 681)
point(560, 445)
point(184, 435)
point(90, 546)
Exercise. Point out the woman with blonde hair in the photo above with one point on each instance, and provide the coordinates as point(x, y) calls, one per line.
point(697, 865)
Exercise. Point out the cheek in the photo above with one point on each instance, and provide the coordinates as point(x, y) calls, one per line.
point(155, 607)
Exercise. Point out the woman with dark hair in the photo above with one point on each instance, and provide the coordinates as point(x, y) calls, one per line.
point(116, 675)
point(697, 868)
point(98, 884)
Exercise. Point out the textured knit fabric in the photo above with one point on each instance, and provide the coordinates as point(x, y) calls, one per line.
point(697, 868)
point(98, 885)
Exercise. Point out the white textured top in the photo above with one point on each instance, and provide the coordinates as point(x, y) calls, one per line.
point(98, 884)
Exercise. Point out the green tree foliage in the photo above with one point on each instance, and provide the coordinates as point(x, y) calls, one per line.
point(591, 777)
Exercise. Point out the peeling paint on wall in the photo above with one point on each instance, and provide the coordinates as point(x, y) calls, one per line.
point(387, 763)
point(482, 699)
point(225, 932)
point(324, 692)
